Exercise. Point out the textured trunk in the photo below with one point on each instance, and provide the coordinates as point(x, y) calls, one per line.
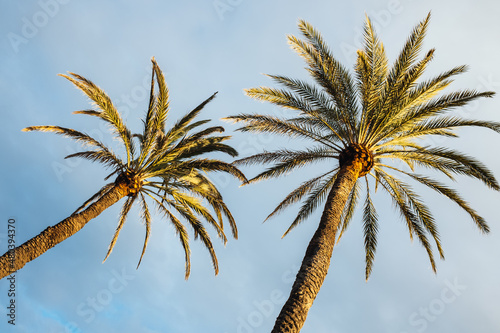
point(316, 261)
point(14, 260)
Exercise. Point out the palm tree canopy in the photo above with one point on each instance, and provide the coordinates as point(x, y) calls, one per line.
point(383, 117)
point(162, 164)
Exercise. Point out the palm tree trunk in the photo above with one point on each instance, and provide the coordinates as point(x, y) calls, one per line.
point(14, 260)
point(316, 261)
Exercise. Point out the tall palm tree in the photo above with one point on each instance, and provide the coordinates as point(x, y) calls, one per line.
point(162, 164)
point(372, 129)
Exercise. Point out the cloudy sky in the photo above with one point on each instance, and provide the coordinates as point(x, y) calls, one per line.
point(225, 46)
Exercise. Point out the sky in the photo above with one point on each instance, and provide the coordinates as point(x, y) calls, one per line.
point(226, 46)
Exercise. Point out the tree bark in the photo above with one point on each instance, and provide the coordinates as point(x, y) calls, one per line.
point(15, 259)
point(316, 261)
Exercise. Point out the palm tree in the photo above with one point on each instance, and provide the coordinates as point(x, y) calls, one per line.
point(376, 123)
point(162, 164)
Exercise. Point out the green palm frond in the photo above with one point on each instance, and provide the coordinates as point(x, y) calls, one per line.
point(208, 165)
point(183, 237)
point(349, 210)
point(198, 228)
point(107, 112)
point(370, 228)
point(102, 192)
point(156, 115)
point(444, 159)
point(371, 72)
point(313, 200)
point(431, 108)
point(101, 156)
point(413, 221)
point(312, 95)
point(200, 185)
point(198, 146)
point(331, 75)
point(88, 113)
point(67, 132)
point(414, 202)
point(297, 194)
point(146, 217)
point(179, 228)
point(195, 205)
point(454, 196)
point(123, 217)
point(181, 127)
point(274, 125)
point(288, 161)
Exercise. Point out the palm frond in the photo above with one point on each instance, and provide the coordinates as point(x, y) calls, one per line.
point(195, 205)
point(157, 112)
point(207, 165)
point(370, 228)
point(392, 91)
point(274, 125)
point(286, 155)
point(199, 231)
point(207, 145)
point(285, 167)
point(123, 217)
point(280, 97)
point(178, 129)
point(108, 110)
point(315, 197)
point(401, 101)
point(202, 186)
point(297, 194)
point(101, 156)
point(102, 192)
point(435, 107)
point(80, 137)
point(417, 215)
point(88, 113)
point(146, 217)
point(349, 210)
point(459, 163)
point(319, 106)
point(443, 125)
point(371, 73)
point(180, 230)
point(454, 196)
point(328, 73)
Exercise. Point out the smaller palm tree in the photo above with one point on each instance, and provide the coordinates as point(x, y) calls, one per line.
point(161, 164)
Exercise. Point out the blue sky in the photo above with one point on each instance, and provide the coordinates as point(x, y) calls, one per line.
point(225, 46)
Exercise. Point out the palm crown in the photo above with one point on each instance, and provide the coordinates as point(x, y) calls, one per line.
point(378, 118)
point(161, 163)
